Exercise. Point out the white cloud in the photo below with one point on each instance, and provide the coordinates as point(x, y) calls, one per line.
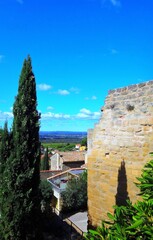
point(50, 108)
point(44, 87)
point(63, 92)
point(87, 114)
point(82, 115)
point(50, 115)
point(85, 111)
point(6, 115)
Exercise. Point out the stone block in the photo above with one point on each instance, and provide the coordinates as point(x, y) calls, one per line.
point(119, 135)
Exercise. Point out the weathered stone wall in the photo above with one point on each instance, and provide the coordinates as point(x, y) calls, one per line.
point(118, 147)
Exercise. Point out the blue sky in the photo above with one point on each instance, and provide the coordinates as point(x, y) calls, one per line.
point(80, 49)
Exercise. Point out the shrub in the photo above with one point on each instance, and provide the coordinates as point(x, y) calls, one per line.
point(46, 195)
point(75, 195)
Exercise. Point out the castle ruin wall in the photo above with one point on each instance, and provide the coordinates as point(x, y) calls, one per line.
point(118, 148)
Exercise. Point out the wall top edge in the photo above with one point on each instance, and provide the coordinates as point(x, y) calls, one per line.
point(131, 87)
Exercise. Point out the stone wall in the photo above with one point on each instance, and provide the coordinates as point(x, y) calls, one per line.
point(118, 147)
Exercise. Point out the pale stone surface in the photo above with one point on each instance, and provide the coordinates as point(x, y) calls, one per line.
point(118, 147)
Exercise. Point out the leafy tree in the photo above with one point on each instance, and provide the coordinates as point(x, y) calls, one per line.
point(75, 195)
point(46, 195)
point(21, 214)
point(84, 142)
point(131, 221)
point(45, 162)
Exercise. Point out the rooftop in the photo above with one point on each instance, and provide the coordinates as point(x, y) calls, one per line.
point(60, 180)
point(72, 156)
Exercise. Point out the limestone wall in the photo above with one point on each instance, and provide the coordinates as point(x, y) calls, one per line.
point(118, 147)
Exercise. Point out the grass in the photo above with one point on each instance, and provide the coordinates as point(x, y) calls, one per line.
point(60, 146)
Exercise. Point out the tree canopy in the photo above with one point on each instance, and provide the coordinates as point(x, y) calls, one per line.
point(21, 213)
point(75, 195)
point(45, 161)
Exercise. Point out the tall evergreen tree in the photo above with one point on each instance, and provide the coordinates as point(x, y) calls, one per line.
point(4, 154)
point(45, 162)
point(22, 210)
point(4, 148)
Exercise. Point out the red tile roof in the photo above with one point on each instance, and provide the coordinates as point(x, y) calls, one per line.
point(73, 156)
point(67, 171)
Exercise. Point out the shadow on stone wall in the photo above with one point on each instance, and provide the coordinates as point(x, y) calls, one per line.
point(122, 194)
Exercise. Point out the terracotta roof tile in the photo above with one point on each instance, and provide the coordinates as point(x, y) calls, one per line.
point(73, 156)
point(67, 171)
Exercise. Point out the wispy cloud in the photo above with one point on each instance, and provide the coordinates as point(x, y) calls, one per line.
point(6, 115)
point(50, 108)
point(20, 1)
point(113, 51)
point(1, 58)
point(63, 92)
point(116, 3)
point(91, 98)
point(50, 115)
point(74, 90)
point(84, 113)
point(43, 87)
point(87, 114)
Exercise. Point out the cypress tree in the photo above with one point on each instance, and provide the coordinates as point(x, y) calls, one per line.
point(4, 154)
point(4, 148)
point(45, 163)
point(22, 211)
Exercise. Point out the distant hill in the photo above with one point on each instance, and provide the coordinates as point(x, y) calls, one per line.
point(62, 136)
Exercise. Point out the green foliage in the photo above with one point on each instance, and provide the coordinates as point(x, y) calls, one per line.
point(84, 142)
point(75, 195)
point(5, 145)
point(63, 147)
point(146, 182)
point(101, 233)
point(20, 214)
point(45, 161)
point(4, 148)
point(46, 195)
point(1, 132)
point(130, 222)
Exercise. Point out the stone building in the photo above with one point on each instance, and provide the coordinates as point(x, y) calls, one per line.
point(66, 160)
point(118, 148)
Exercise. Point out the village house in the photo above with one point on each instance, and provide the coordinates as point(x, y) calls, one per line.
point(44, 174)
point(59, 183)
point(66, 160)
